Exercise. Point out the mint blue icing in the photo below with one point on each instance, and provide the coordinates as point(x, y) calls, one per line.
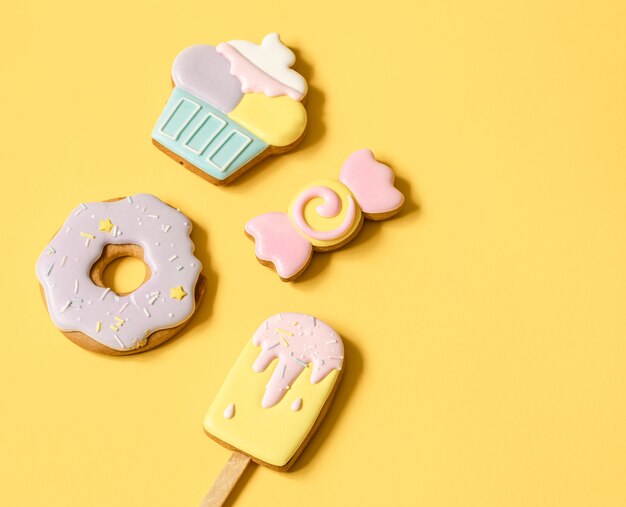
point(204, 136)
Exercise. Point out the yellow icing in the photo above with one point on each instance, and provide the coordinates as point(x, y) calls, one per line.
point(106, 225)
point(279, 121)
point(320, 223)
point(272, 435)
point(177, 292)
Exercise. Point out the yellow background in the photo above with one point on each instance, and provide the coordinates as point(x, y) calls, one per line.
point(484, 326)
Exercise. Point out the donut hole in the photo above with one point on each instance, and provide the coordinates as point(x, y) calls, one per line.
point(121, 268)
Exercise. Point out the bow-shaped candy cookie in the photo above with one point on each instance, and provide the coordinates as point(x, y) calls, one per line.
point(286, 241)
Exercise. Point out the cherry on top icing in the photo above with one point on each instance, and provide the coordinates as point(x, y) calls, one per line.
point(76, 303)
point(297, 341)
point(265, 68)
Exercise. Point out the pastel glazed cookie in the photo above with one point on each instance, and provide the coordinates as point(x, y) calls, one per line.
point(93, 316)
point(232, 105)
point(278, 390)
point(325, 215)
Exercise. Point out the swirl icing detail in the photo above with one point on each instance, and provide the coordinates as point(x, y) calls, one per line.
point(331, 207)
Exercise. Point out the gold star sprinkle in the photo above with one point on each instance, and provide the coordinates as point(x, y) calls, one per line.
point(106, 225)
point(177, 292)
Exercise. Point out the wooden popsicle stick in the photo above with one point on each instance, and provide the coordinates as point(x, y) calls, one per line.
point(226, 480)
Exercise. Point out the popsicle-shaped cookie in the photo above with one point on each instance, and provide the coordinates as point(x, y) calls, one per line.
point(275, 396)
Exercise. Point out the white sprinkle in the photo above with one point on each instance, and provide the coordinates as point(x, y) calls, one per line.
point(170, 315)
point(158, 244)
point(166, 227)
point(335, 357)
point(185, 223)
point(153, 299)
point(275, 345)
point(50, 269)
point(283, 373)
point(67, 305)
point(143, 209)
point(116, 298)
point(119, 341)
point(173, 258)
point(299, 362)
point(180, 268)
point(106, 291)
point(132, 298)
point(193, 264)
point(82, 207)
point(63, 260)
point(153, 216)
point(145, 310)
point(280, 317)
point(92, 215)
point(129, 199)
point(78, 319)
point(114, 231)
point(75, 285)
point(330, 342)
point(51, 250)
point(87, 242)
point(123, 308)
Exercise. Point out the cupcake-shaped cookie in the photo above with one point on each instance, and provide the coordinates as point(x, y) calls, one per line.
point(231, 106)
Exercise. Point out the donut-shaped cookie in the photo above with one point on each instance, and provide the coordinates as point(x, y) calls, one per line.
point(94, 316)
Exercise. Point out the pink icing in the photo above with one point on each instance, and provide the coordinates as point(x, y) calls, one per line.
point(296, 340)
point(329, 208)
point(276, 241)
point(252, 78)
point(371, 183)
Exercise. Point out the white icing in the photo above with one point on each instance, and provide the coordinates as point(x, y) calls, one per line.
point(273, 58)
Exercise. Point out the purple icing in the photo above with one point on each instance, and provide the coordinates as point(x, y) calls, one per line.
point(202, 71)
point(123, 323)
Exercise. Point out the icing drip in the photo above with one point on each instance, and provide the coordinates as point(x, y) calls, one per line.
point(296, 340)
point(296, 405)
point(229, 411)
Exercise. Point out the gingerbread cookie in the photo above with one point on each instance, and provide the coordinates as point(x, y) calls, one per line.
point(95, 317)
point(325, 215)
point(232, 105)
